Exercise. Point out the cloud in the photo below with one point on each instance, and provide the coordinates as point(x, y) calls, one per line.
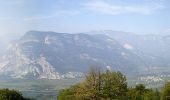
point(13, 2)
point(167, 30)
point(112, 9)
point(41, 17)
point(53, 15)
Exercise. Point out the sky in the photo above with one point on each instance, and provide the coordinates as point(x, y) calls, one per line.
point(74, 16)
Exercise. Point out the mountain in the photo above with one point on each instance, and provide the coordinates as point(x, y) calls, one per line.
point(5, 39)
point(152, 49)
point(54, 55)
point(51, 55)
point(1, 46)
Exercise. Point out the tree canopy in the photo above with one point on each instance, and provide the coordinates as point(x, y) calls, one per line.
point(6, 94)
point(166, 92)
point(107, 85)
point(97, 85)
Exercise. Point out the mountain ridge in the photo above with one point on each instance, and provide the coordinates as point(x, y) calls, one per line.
point(52, 55)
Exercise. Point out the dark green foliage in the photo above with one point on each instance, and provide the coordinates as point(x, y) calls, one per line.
point(107, 85)
point(97, 86)
point(166, 92)
point(114, 85)
point(66, 94)
point(141, 93)
point(6, 94)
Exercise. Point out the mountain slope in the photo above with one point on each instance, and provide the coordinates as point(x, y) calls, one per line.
point(59, 55)
point(152, 49)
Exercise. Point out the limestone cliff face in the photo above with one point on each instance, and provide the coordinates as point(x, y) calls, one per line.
point(60, 55)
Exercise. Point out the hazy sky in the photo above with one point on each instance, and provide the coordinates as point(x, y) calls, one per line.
point(138, 16)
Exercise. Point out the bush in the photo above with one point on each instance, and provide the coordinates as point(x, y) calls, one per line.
point(6, 94)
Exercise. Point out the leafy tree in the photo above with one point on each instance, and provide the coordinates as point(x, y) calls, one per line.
point(151, 95)
point(140, 92)
point(166, 92)
point(66, 94)
point(6, 94)
point(114, 85)
point(157, 95)
point(97, 85)
point(89, 89)
point(108, 85)
point(81, 91)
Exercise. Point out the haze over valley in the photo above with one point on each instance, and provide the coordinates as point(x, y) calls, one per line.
point(103, 49)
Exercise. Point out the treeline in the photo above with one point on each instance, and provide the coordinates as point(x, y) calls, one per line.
point(109, 85)
point(6, 94)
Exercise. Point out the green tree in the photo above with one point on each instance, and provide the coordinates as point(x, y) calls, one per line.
point(97, 85)
point(86, 90)
point(6, 94)
point(66, 94)
point(140, 92)
point(152, 95)
point(114, 85)
point(90, 88)
point(166, 92)
point(107, 85)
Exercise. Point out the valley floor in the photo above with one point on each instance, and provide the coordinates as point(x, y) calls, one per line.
point(47, 89)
